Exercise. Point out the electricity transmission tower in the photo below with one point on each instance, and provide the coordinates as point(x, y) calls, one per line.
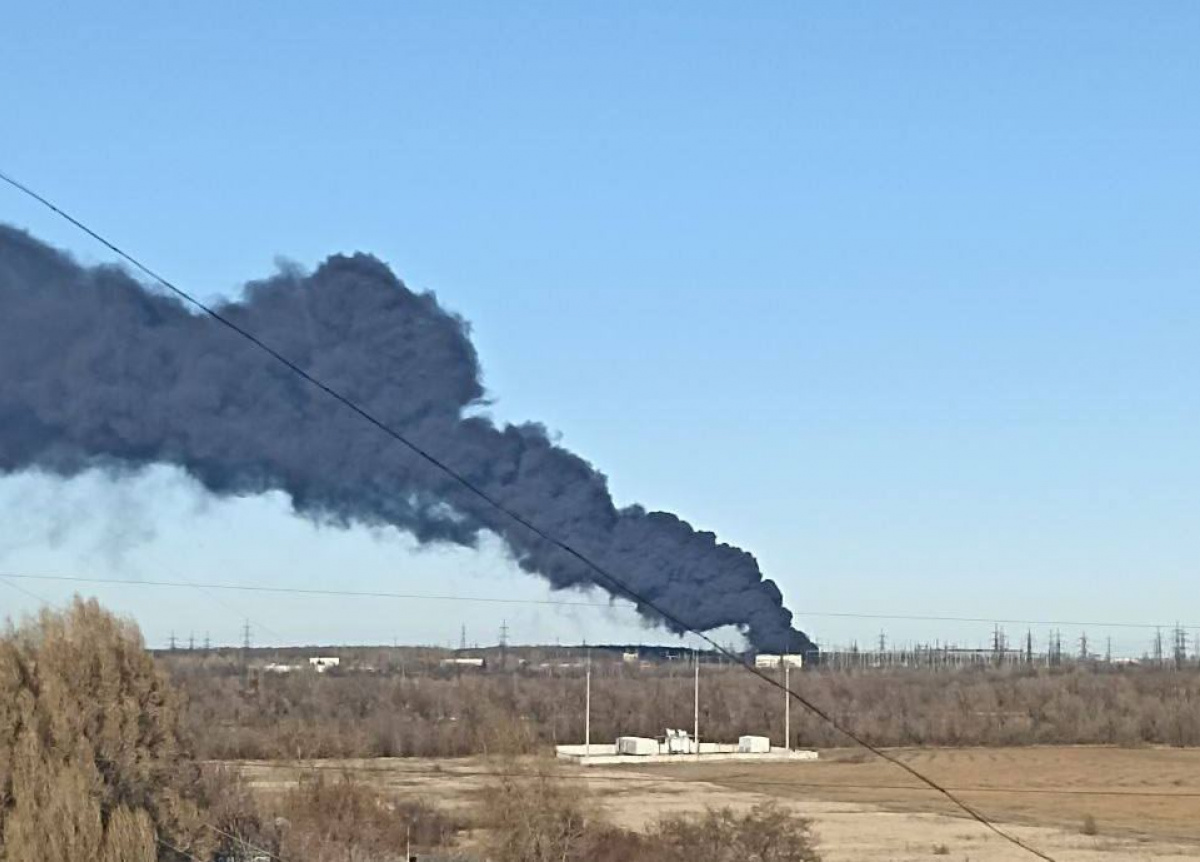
point(1180, 647)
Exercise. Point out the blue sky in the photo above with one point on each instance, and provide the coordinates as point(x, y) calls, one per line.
point(902, 298)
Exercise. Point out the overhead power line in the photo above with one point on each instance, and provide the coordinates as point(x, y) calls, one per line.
point(327, 592)
point(926, 618)
point(20, 589)
point(246, 844)
point(306, 591)
point(169, 846)
point(616, 584)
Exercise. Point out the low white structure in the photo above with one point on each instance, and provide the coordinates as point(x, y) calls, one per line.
point(678, 742)
point(636, 746)
point(769, 660)
point(599, 754)
point(322, 663)
point(464, 661)
point(754, 745)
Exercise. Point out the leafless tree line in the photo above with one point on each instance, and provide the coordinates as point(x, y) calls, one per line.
point(232, 715)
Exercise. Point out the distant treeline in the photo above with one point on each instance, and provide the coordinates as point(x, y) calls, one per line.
point(236, 711)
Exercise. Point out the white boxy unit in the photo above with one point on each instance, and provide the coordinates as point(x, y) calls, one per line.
point(636, 745)
point(754, 745)
point(678, 742)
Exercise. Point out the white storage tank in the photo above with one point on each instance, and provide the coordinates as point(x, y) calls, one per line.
point(754, 745)
point(637, 745)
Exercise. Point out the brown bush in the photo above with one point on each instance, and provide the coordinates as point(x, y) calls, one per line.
point(345, 819)
point(92, 764)
point(766, 833)
point(536, 817)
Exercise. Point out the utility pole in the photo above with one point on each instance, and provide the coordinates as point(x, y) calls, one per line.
point(207, 643)
point(696, 704)
point(462, 640)
point(1029, 647)
point(787, 705)
point(1108, 650)
point(1158, 647)
point(503, 644)
point(587, 708)
point(246, 644)
point(191, 642)
point(1083, 647)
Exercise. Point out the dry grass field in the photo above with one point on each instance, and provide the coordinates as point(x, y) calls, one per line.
point(1145, 803)
point(1128, 792)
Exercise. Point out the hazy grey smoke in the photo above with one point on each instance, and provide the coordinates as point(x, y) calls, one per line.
point(97, 371)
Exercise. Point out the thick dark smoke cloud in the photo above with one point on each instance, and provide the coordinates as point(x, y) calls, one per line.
point(97, 371)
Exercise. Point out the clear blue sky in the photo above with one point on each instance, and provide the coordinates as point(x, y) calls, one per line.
point(902, 298)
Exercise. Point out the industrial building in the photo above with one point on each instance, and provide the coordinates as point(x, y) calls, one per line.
point(677, 745)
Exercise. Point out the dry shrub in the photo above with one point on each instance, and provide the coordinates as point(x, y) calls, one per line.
point(346, 819)
point(92, 764)
point(536, 817)
point(236, 818)
point(765, 833)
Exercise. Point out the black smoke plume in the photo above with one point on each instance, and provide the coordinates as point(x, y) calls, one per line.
point(98, 371)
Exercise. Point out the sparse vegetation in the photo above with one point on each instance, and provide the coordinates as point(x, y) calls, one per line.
point(766, 833)
point(539, 818)
point(347, 819)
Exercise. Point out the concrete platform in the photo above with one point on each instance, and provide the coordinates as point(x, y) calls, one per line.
point(710, 752)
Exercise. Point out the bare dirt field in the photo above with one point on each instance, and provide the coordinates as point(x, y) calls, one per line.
point(1145, 803)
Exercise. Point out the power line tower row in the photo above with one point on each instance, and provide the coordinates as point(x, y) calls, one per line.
point(173, 642)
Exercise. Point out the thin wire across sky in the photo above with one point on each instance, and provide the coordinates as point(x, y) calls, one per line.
point(616, 584)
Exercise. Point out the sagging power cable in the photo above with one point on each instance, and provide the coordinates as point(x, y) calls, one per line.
point(615, 583)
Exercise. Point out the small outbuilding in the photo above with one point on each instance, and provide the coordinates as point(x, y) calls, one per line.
point(636, 745)
point(754, 745)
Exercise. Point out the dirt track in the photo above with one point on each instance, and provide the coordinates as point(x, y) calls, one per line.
point(865, 810)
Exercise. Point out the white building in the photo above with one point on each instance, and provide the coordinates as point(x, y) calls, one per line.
point(322, 663)
point(464, 661)
point(766, 660)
